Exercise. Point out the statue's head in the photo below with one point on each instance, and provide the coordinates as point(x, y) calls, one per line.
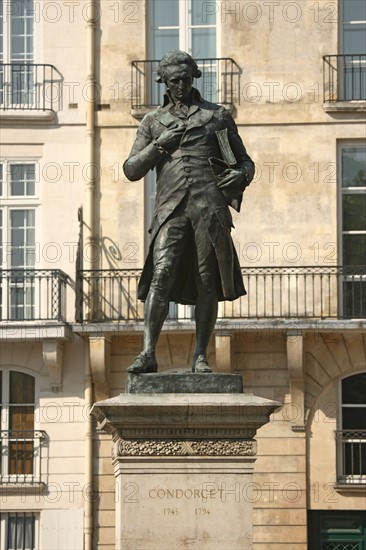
point(174, 58)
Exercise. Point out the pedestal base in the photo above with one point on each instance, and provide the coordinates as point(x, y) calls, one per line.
point(197, 503)
point(183, 458)
point(185, 383)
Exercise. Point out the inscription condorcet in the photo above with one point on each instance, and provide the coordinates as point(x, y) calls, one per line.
point(176, 447)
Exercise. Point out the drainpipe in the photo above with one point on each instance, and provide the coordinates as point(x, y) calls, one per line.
point(88, 507)
point(90, 236)
point(90, 169)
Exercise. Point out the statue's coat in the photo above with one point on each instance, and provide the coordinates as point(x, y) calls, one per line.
point(188, 169)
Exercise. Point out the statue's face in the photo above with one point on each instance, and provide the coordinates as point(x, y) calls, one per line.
point(179, 81)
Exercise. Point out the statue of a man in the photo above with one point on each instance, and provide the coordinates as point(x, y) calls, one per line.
point(202, 167)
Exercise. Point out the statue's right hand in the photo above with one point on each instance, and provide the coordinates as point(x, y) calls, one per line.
point(171, 137)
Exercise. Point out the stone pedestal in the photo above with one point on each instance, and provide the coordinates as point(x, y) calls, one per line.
point(183, 464)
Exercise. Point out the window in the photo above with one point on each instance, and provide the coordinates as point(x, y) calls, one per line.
point(185, 25)
point(336, 529)
point(17, 239)
point(353, 49)
point(20, 442)
point(17, 53)
point(351, 438)
point(18, 531)
point(353, 228)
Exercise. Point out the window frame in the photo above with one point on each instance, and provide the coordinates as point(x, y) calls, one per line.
point(9, 204)
point(341, 29)
point(184, 26)
point(7, 35)
point(5, 476)
point(347, 479)
point(341, 191)
point(350, 63)
point(4, 525)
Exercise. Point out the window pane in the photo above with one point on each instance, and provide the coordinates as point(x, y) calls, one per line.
point(203, 43)
point(354, 39)
point(354, 249)
point(21, 455)
point(354, 212)
point(203, 12)
point(1, 179)
point(354, 298)
point(21, 418)
point(22, 179)
point(21, 532)
point(165, 13)
point(22, 30)
point(21, 388)
point(354, 389)
point(354, 418)
point(354, 167)
point(164, 41)
point(355, 459)
point(354, 10)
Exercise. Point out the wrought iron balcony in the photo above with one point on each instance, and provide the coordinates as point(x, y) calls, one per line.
point(21, 454)
point(29, 86)
point(351, 456)
point(311, 292)
point(344, 77)
point(219, 82)
point(33, 295)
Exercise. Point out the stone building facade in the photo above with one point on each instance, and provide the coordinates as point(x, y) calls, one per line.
point(75, 80)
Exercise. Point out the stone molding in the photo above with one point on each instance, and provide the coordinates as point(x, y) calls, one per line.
point(53, 353)
point(182, 432)
point(100, 355)
point(176, 447)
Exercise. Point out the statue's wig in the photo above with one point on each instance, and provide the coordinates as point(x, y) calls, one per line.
point(176, 57)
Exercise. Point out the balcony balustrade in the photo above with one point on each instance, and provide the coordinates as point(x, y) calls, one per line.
point(29, 86)
point(33, 295)
point(219, 82)
point(351, 456)
point(311, 292)
point(344, 77)
point(21, 454)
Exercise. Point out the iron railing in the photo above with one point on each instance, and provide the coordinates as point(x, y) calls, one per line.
point(33, 295)
point(29, 86)
point(219, 82)
point(344, 77)
point(273, 292)
point(21, 456)
point(351, 454)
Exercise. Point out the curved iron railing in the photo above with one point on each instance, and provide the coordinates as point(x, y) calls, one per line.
point(344, 77)
point(33, 294)
point(219, 82)
point(315, 292)
point(29, 86)
point(21, 455)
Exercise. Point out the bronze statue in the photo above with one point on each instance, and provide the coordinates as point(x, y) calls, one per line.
point(202, 167)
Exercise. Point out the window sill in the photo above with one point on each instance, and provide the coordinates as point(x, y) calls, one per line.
point(16, 488)
point(33, 330)
point(345, 106)
point(350, 487)
point(18, 115)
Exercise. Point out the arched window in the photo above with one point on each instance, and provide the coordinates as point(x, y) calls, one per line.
point(20, 454)
point(20, 442)
point(351, 438)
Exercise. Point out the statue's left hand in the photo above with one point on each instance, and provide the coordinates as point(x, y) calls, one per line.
point(233, 180)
